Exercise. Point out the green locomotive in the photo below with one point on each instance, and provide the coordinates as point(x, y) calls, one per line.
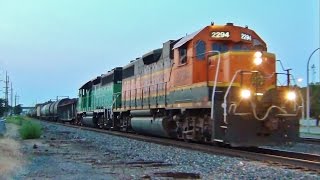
point(98, 97)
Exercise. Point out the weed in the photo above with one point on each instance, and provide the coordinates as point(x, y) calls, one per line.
point(30, 130)
point(18, 120)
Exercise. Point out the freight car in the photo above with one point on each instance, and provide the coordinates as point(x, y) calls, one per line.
point(218, 84)
point(60, 110)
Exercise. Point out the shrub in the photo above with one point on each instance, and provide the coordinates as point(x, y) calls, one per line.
point(30, 130)
point(15, 120)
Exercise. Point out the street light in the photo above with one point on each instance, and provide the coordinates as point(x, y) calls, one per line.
point(308, 90)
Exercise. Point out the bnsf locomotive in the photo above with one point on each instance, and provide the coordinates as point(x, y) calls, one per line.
point(218, 84)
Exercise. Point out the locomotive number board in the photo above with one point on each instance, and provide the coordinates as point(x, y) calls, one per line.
point(220, 34)
point(246, 37)
point(227, 34)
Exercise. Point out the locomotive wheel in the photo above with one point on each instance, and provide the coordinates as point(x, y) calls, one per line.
point(100, 122)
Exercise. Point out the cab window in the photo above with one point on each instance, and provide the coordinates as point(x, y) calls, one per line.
point(239, 47)
point(236, 47)
point(219, 47)
point(200, 47)
point(183, 54)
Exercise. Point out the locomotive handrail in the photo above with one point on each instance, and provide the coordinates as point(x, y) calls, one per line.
point(233, 106)
point(224, 105)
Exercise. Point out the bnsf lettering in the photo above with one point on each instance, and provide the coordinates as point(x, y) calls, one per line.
point(222, 34)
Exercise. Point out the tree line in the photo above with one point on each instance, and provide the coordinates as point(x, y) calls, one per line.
point(6, 109)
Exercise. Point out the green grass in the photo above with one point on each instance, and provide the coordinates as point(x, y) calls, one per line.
point(28, 128)
point(18, 120)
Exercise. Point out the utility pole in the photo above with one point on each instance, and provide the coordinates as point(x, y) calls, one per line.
point(11, 100)
point(15, 100)
point(6, 90)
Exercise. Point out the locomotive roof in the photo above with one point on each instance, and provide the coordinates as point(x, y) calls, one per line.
point(228, 27)
point(90, 83)
point(186, 39)
point(97, 79)
point(152, 56)
point(111, 71)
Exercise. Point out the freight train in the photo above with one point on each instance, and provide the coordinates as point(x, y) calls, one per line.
point(218, 84)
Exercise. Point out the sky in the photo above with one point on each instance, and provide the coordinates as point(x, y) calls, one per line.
point(51, 47)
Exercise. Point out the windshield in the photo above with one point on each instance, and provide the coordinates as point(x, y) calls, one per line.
point(222, 47)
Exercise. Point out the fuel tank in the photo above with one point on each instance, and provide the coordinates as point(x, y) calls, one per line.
point(88, 121)
point(154, 126)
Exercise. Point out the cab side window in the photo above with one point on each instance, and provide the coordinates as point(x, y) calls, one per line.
point(200, 47)
point(183, 54)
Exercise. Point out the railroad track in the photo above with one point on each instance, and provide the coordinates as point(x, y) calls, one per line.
point(310, 141)
point(288, 159)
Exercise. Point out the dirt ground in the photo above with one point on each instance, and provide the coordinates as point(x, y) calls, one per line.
point(11, 158)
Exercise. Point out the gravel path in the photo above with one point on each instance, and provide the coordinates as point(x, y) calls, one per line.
point(69, 153)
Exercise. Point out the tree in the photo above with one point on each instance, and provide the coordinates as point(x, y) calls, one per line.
point(17, 109)
point(314, 100)
point(3, 108)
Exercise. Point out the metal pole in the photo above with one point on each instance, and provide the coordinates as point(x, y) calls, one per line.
point(308, 91)
point(15, 100)
point(11, 99)
point(6, 90)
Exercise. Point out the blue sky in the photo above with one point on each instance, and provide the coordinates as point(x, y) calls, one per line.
point(50, 48)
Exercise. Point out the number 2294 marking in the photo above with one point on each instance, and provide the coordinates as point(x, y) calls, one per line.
point(221, 34)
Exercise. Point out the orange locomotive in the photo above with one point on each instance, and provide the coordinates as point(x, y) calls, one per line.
point(217, 84)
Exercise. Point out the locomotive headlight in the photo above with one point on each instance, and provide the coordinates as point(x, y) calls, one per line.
point(291, 96)
point(245, 93)
point(257, 58)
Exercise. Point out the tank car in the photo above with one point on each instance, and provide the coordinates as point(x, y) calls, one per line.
point(60, 110)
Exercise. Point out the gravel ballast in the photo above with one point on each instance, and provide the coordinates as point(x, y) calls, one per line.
point(70, 153)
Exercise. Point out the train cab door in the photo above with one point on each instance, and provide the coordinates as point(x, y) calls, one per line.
point(181, 77)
